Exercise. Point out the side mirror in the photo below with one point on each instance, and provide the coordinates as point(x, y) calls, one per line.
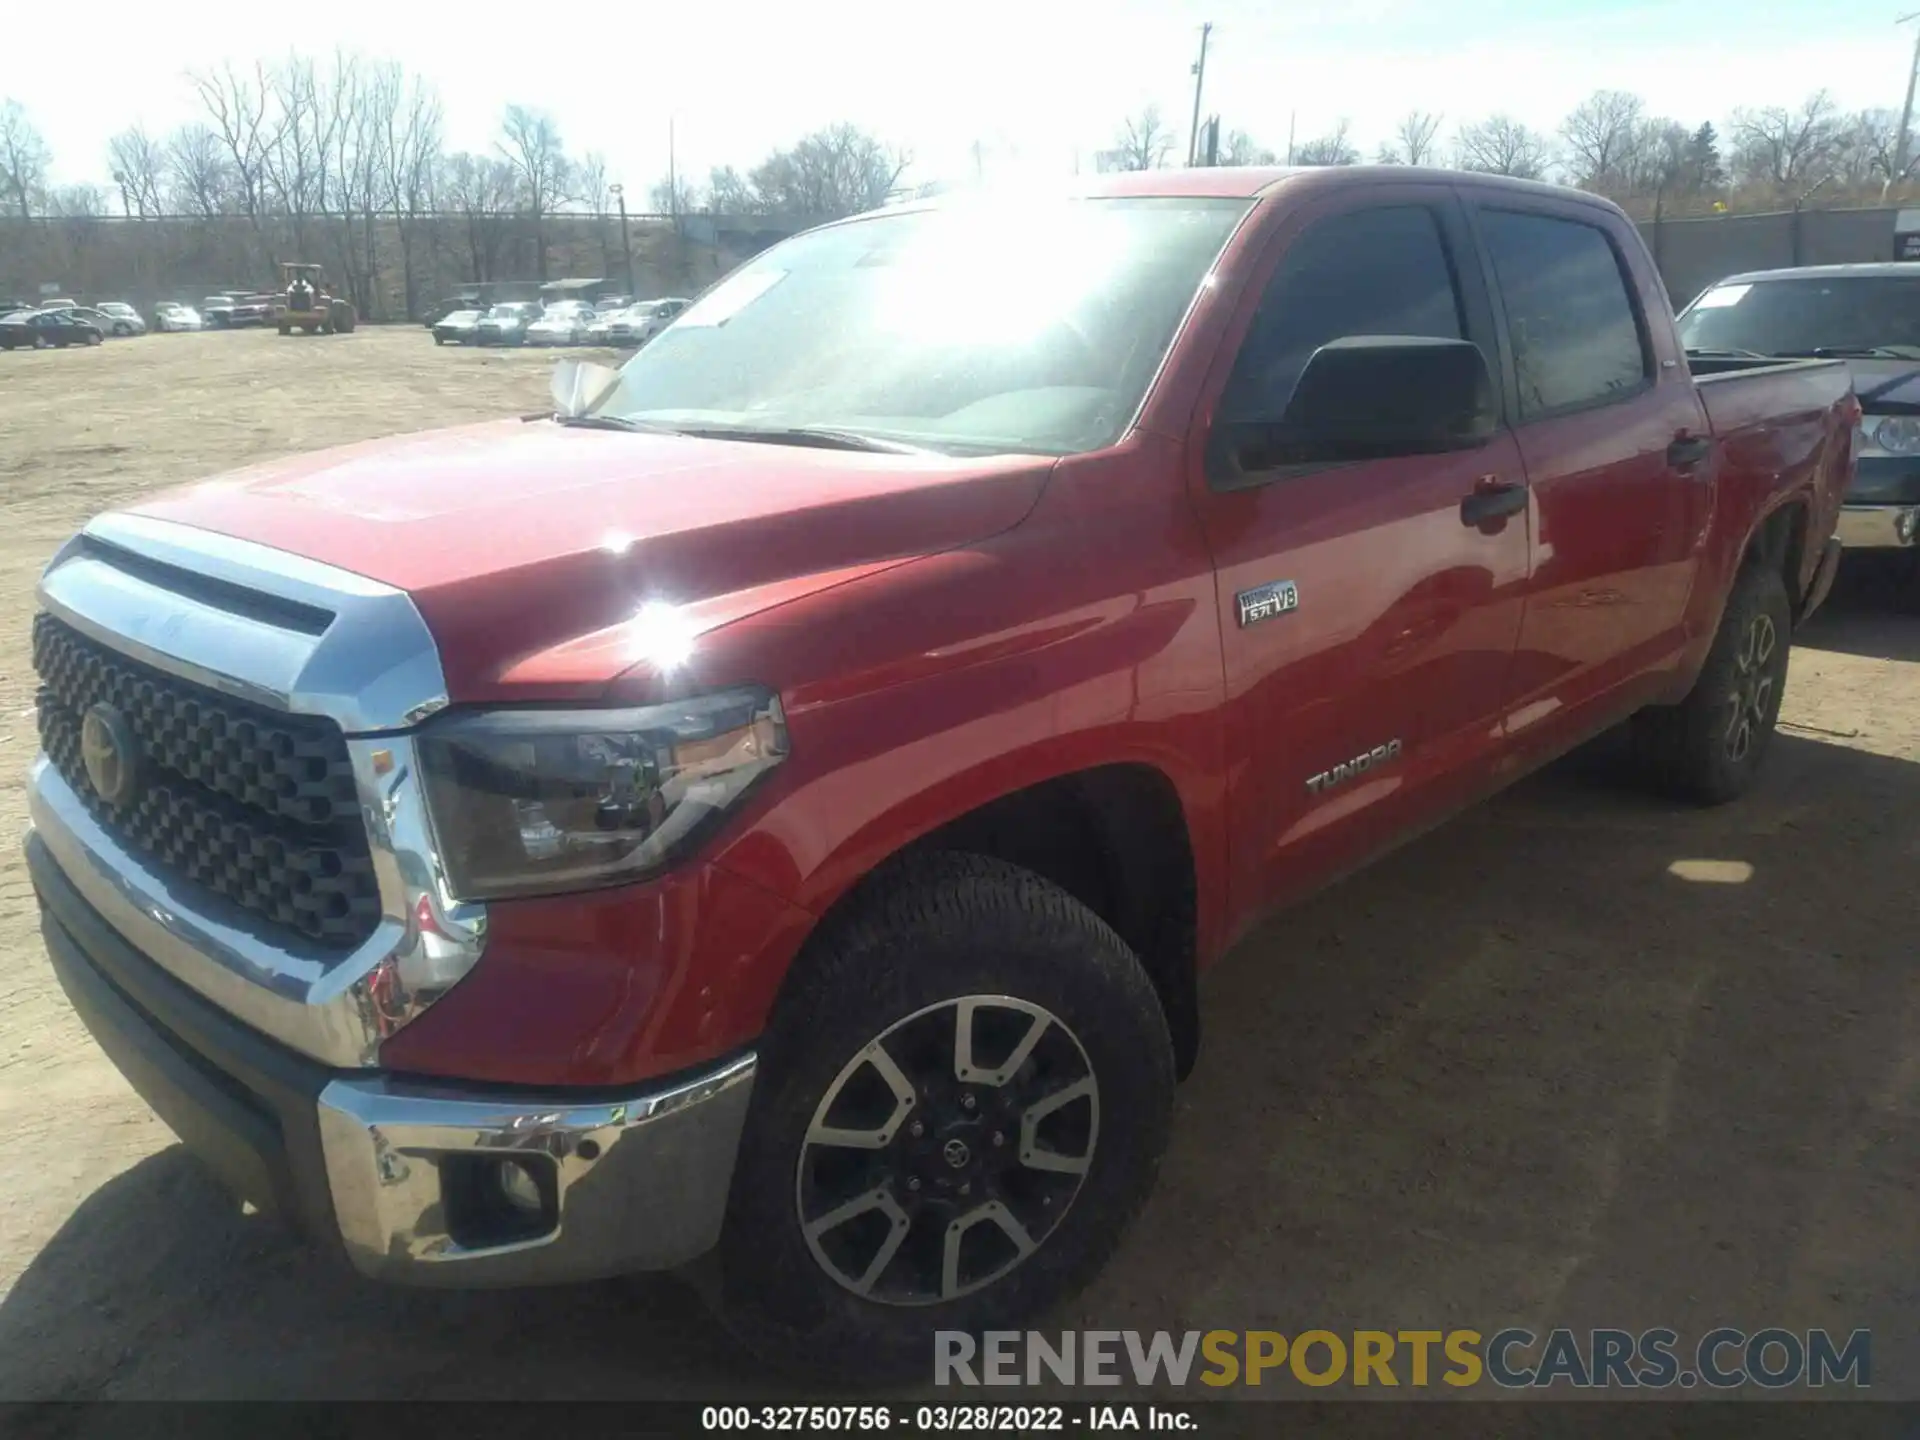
point(1366, 397)
point(579, 385)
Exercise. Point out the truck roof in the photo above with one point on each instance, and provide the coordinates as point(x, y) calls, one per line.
point(1248, 182)
point(1896, 268)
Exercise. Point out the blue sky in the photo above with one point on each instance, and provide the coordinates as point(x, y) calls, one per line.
point(1035, 83)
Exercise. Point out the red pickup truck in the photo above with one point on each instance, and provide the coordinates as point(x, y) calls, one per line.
point(774, 809)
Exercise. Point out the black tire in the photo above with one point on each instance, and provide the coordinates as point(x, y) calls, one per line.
point(934, 930)
point(439, 339)
point(95, 338)
point(1709, 748)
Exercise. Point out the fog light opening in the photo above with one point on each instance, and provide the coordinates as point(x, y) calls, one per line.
point(1905, 524)
point(494, 1200)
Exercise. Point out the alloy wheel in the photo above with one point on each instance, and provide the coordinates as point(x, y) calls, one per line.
point(947, 1150)
point(1754, 681)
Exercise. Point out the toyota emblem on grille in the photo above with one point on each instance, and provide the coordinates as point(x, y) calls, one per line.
point(112, 758)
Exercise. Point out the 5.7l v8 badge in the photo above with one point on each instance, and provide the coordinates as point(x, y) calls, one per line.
point(1267, 602)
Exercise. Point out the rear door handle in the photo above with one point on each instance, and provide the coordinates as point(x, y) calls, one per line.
point(1687, 451)
point(1492, 500)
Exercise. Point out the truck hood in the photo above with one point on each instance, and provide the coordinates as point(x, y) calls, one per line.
point(1886, 386)
point(532, 548)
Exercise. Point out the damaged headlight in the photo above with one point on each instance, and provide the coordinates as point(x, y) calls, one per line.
point(529, 802)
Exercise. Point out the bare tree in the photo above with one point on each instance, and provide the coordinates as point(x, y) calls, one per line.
point(484, 190)
point(730, 193)
point(78, 202)
point(301, 163)
point(199, 176)
point(1784, 149)
point(1416, 140)
point(841, 170)
point(1332, 148)
point(238, 108)
point(1144, 142)
point(409, 152)
point(1502, 145)
point(1657, 158)
point(1865, 152)
point(1600, 135)
point(23, 160)
point(139, 166)
point(1240, 148)
point(530, 143)
point(676, 196)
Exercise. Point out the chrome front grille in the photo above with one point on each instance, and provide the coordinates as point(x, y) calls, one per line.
point(257, 806)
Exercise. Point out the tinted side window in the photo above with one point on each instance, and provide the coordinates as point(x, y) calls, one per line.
point(1373, 272)
point(1575, 339)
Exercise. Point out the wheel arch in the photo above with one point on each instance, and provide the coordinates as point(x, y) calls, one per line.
point(1117, 837)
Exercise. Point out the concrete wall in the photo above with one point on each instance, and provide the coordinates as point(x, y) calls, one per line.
point(1695, 252)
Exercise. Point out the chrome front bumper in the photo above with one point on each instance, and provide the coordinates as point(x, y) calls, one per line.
point(634, 1183)
point(1878, 527)
point(399, 1171)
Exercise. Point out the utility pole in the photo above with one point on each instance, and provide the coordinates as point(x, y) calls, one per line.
point(626, 240)
point(1199, 80)
point(1906, 110)
point(1291, 116)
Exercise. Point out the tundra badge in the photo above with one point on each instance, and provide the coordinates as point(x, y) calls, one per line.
point(1267, 602)
point(1347, 769)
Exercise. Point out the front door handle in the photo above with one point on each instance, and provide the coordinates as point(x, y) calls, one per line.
point(1687, 451)
point(1492, 500)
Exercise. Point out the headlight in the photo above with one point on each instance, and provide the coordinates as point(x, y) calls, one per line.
point(1897, 434)
point(530, 802)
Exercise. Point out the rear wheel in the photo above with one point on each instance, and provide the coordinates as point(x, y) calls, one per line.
point(1710, 746)
point(963, 1099)
point(95, 337)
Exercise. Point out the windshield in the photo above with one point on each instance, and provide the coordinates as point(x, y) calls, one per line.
point(1854, 313)
point(980, 329)
point(504, 312)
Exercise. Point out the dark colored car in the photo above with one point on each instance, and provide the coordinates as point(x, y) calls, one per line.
point(460, 327)
point(1869, 316)
point(42, 328)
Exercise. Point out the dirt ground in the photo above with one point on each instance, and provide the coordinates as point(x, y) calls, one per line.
point(1532, 1070)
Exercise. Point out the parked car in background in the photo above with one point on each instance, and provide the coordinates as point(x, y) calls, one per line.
point(235, 308)
point(40, 329)
point(1869, 316)
point(59, 302)
point(565, 322)
point(639, 323)
point(440, 309)
point(607, 304)
point(506, 323)
point(458, 327)
point(171, 315)
point(597, 327)
point(106, 322)
point(124, 319)
point(780, 803)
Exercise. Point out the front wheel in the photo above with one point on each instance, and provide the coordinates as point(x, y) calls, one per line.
point(95, 338)
point(963, 1098)
point(1710, 746)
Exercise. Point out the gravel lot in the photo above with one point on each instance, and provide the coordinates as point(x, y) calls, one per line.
point(1521, 1072)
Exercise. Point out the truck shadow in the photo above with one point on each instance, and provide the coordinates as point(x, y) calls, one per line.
point(1868, 613)
point(1580, 1057)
